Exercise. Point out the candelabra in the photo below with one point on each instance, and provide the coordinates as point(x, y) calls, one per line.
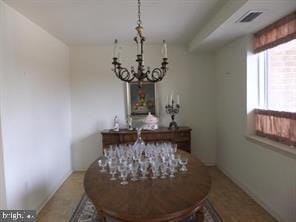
point(172, 109)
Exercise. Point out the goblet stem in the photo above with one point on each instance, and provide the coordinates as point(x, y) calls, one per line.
point(172, 173)
point(163, 176)
point(134, 178)
point(103, 170)
point(154, 176)
point(183, 168)
point(124, 182)
point(113, 177)
point(143, 176)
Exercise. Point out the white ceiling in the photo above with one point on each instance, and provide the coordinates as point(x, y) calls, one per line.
point(201, 24)
point(101, 21)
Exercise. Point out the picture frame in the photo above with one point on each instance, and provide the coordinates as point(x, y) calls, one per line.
point(141, 101)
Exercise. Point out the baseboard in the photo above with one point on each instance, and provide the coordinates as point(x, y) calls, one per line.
point(54, 191)
point(251, 194)
point(209, 164)
point(205, 161)
point(79, 170)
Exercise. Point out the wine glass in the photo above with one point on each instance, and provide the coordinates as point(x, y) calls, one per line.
point(113, 169)
point(134, 170)
point(143, 167)
point(183, 161)
point(175, 147)
point(124, 173)
point(178, 157)
point(173, 165)
point(137, 155)
point(155, 169)
point(106, 153)
point(163, 169)
point(102, 163)
point(111, 161)
point(163, 156)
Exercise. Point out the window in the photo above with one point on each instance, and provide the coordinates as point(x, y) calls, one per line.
point(276, 83)
point(277, 78)
point(276, 116)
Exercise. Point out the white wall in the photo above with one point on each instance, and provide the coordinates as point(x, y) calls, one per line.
point(267, 175)
point(97, 96)
point(2, 179)
point(35, 111)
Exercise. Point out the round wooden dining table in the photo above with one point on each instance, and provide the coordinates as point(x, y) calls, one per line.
point(170, 199)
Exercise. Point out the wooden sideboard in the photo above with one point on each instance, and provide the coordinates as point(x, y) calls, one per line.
point(181, 136)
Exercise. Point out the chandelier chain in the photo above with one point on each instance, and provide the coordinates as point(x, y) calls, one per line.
point(139, 22)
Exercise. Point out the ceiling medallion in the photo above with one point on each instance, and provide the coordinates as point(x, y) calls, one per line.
point(142, 73)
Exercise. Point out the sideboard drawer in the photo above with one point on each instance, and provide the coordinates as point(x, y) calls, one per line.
point(151, 136)
point(128, 138)
point(182, 136)
point(146, 136)
point(110, 139)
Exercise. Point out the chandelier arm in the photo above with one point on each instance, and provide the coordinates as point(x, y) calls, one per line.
point(155, 75)
point(117, 71)
point(123, 74)
point(133, 72)
point(176, 110)
point(126, 75)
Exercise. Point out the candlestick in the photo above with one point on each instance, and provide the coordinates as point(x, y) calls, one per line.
point(115, 48)
point(172, 109)
point(119, 52)
point(178, 99)
point(165, 52)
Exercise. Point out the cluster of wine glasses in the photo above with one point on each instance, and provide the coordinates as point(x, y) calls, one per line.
point(159, 160)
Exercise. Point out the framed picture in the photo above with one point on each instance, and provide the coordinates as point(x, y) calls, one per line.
point(141, 101)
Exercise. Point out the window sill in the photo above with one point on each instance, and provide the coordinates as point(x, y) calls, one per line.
point(286, 150)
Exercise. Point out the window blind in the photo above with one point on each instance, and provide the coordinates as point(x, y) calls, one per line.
point(277, 33)
point(275, 125)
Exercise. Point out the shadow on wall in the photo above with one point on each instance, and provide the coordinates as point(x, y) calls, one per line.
point(86, 150)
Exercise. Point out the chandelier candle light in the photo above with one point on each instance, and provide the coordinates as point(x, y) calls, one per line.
point(142, 73)
point(172, 108)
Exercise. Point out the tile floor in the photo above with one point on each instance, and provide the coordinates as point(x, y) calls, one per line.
point(233, 204)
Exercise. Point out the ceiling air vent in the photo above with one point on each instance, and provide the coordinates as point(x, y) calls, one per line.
point(249, 16)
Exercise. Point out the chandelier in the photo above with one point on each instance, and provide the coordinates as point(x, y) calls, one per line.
point(141, 73)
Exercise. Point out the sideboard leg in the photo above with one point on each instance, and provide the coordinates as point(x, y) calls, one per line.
point(199, 216)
